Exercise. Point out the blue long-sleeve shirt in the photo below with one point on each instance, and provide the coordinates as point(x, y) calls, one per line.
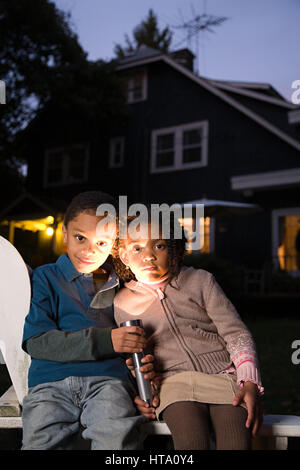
point(64, 301)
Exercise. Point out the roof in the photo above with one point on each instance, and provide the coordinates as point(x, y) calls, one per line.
point(28, 206)
point(248, 98)
point(264, 88)
point(144, 52)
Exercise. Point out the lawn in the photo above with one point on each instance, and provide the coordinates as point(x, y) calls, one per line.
point(281, 378)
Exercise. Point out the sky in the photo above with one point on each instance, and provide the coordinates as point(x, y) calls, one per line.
point(258, 42)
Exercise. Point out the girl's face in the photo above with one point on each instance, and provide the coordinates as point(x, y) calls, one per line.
point(87, 246)
point(147, 258)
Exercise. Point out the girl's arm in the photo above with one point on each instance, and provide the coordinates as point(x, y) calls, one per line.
point(241, 347)
point(239, 341)
point(247, 368)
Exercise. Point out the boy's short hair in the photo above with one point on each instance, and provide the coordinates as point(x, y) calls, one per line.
point(87, 201)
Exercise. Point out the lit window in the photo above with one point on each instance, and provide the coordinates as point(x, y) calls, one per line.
point(204, 227)
point(287, 241)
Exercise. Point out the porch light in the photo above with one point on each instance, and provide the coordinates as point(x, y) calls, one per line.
point(50, 219)
point(49, 231)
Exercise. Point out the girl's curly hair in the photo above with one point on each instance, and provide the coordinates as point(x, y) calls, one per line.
point(176, 250)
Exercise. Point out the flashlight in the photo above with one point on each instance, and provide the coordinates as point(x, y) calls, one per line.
point(142, 383)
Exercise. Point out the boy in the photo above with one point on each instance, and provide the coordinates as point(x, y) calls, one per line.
point(77, 376)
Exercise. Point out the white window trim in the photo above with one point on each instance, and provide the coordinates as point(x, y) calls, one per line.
point(65, 179)
point(113, 141)
point(178, 131)
point(276, 213)
point(130, 95)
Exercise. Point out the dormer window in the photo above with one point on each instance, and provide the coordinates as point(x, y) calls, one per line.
point(136, 86)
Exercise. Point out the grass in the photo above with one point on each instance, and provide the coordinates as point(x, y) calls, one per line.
point(281, 378)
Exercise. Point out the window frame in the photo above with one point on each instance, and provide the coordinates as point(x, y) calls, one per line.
point(179, 147)
point(112, 142)
point(66, 180)
point(130, 86)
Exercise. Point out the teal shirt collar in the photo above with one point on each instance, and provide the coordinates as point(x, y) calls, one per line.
point(70, 273)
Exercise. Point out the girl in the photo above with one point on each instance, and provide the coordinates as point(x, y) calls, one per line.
point(204, 352)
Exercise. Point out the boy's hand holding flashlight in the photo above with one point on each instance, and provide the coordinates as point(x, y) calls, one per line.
point(128, 339)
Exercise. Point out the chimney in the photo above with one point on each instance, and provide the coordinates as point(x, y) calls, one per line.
point(184, 57)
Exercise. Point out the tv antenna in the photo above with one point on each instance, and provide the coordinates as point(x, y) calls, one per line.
point(198, 24)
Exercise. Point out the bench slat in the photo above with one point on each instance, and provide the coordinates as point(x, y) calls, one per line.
point(9, 404)
point(10, 422)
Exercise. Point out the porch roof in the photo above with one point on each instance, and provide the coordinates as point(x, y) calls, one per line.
point(27, 206)
point(220, 208)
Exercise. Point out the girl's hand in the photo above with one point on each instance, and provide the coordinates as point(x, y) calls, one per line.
point(150, 374)
point(145, 409)
point(147, 368)
point(249, 394)
point(128, 339)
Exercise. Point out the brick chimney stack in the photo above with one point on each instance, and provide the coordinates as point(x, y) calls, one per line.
point(184, 57)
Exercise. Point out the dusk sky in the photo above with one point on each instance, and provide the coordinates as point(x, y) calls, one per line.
point(259, 42)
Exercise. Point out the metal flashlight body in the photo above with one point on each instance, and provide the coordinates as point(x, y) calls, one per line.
point(142, 383)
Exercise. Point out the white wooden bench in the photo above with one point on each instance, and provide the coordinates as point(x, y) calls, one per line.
point(14, 305)
point(273, 435)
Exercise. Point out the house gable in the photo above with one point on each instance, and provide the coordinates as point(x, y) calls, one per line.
point(236, 144)
point(208, 85)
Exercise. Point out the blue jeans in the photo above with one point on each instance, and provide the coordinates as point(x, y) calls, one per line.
point(54, 412)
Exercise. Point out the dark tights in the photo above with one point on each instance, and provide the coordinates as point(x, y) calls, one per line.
point(191, 424)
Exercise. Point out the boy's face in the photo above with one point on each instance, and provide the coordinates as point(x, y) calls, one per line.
point(87, 246)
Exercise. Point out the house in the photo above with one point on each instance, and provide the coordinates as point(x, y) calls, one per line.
point(188, 139)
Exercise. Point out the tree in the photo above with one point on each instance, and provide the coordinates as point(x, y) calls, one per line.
point(44, 67)
point(146, 33)
point(37, 49)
